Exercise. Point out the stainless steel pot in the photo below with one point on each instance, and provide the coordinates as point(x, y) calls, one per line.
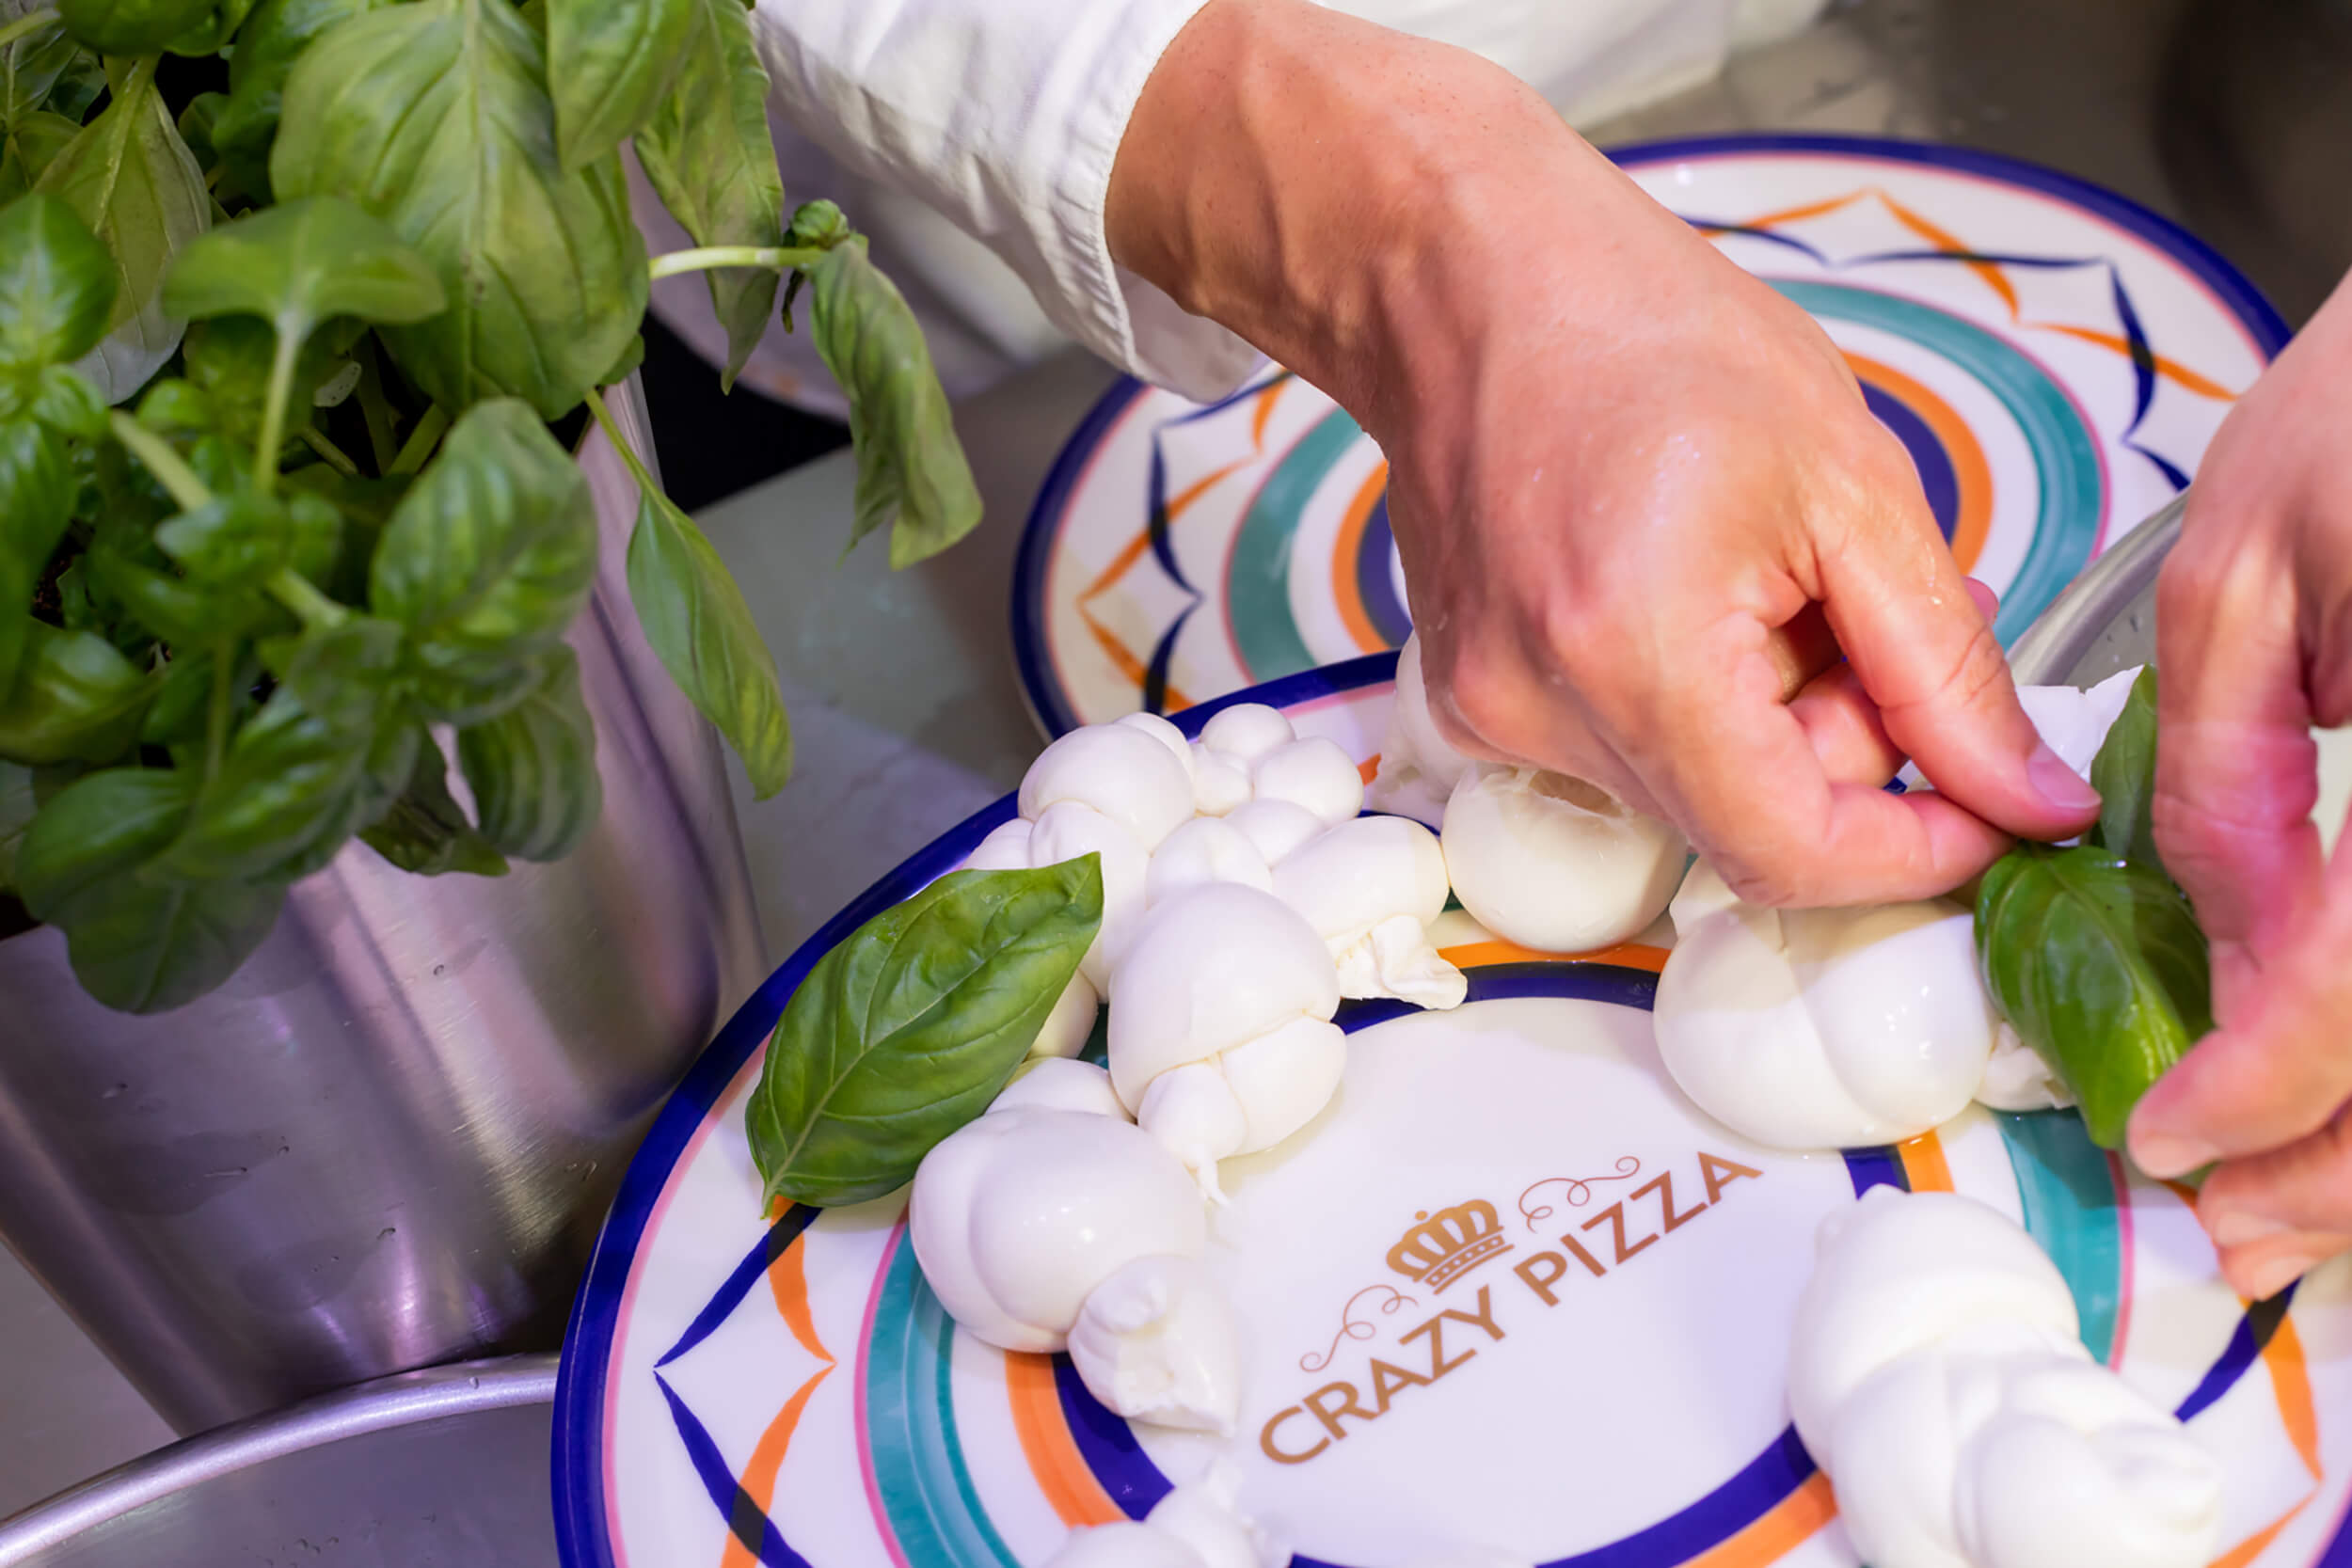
point(2106, 621)
point(389, 1139)
point(447, 1467)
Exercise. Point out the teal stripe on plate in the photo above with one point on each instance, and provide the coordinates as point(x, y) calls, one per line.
point(1258, 583)
point(2067, 1189)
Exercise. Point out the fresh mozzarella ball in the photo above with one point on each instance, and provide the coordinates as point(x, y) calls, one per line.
point(1206, 850)
point(1554, 864)
point(1247, 731)
point(1221, 782)
point(1822, 1028)
point(1202, 1514)
point(1007, 848)
point(2016, 1076)
point(1276, 827)
point(1194, 1112)
point(1284, 1077)
point(1128, 1544)
point(1157, 1341)
point(1419, 768)
point(1213, 968)
point(1070, 1024)
point(1016, 1217)
point(1316, 773)
point(1120, 771)
point(1059, 1084)
point(2073, 723)
point(1937, 1376)
point(1165, 733)
point(1068, 830)
point(1370, 887)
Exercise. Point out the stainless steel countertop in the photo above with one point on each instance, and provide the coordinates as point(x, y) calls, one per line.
point(906, 709)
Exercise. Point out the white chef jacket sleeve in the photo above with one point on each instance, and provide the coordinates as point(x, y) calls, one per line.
point(1005, 116)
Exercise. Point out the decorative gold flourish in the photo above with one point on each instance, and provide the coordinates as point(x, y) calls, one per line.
point(1577, 1190)
point(1352, 1327)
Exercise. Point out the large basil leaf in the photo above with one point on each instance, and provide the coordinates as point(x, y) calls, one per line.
point(709, 155)
point(609, 62)
point(532, 769)
point(176, 610)
point(237, 540)
point(133, 180)
point(2125, 774)
point(76, 699)
point(136, 946)
point(426, 832)
point(28, 146)
point(31, 67)
point(912, 475)
point(434, 116)
point(36, 501)
point(493, 550)
point(271, 40)
point(17, 804)
point(909, 1028)
point(2100, 967)
point(306, 772)
point(297, 265)
point(56, 286)
point(134, 27)
point(694, 617)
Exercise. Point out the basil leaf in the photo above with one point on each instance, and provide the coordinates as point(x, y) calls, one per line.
point(236, 540)
point(493, 550)
point(30, 67)
point(909, 1028)
point(426, 832)
point(136, 946)
point(36, 502)
point(182, 710)
point(297, 265)
point(709, 155)
point(695, 618)
point(910, 471)
point(273, 40)
point(133, 180)
point(532, 769)
point(2125, 774)
point(2100, 967)
point(18, 802)
point(56, 286)
point(68, 405)
point(610, 65)
point(211, 35)
point(303, 774)
point(434, 116)
point(28, 146)
point(180, 612)
point(632, 356)
point(133, 27)
point(76, 699)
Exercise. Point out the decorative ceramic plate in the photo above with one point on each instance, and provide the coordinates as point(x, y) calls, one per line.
point(2054, 358)
point(1511, 1288)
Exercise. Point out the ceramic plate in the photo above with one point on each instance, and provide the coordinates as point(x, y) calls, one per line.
point(1510, 1289)
point(2054, 358)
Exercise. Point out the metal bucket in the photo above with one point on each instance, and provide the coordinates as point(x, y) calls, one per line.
point(447, 1467)
point(389, 1139)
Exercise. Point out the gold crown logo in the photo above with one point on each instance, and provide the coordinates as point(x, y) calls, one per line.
point(1449, 1244)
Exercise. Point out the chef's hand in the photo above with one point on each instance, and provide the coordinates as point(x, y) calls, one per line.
point(1637, 492)
point(2254, 642)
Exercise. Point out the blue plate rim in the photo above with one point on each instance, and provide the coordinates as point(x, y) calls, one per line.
point(1049, 705)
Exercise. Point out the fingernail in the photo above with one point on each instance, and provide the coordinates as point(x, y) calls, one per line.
point(2239, 1226)
point(2065, 789)
point(2164, 1156)
point(2273, 1275)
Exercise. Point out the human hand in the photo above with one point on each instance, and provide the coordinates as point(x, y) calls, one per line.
point(2254, 643)
point(1638, 495)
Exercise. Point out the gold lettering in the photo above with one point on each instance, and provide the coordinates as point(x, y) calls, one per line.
point(1615, 1214)
point(1484, 1317)
point(1664, 1187)
point(1584, 1257)
point(1526, 1269)
point(1435, 1329)
point(1386, 1380)
point(1331, 1418)
point(1285, 1456)
point(1722, 1173)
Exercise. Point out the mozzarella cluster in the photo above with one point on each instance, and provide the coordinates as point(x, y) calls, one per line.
point(1938, 1375)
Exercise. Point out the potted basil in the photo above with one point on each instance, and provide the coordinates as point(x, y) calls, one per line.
point(308, 309)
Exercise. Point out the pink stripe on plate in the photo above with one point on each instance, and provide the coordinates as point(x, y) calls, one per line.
point(865, 1440)
point(2123, 1255)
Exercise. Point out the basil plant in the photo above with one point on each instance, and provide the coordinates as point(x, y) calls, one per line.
point(296, 297)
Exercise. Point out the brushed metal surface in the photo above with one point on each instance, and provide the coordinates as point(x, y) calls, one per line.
point(444, 1468)
point(389, 1139)
point(2106, 621)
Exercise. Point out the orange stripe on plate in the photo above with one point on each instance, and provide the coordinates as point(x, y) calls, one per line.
point(759, 1476)
point(1950, 245)
point(1264, 411)
point(1633, 955)
point(1924, 1165)
point(1345, 592)
point(1369, 766)
point(2291, 1384)
point(788, 1277)
point(2255, 1545)
point(1794, 1520)
point(1973, 474)
point(1055, 1462)
point(1791, 214)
